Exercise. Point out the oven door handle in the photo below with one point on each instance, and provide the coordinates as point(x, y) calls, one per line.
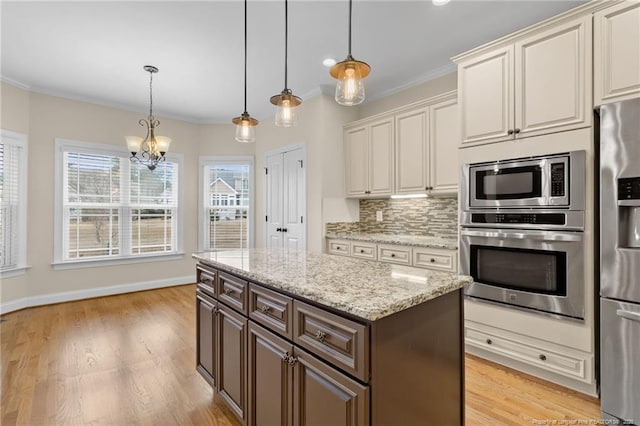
point(633, 316)
point(527, 235)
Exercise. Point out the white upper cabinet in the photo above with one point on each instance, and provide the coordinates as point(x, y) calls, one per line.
point(553, 79)
point(444, 137)
point(537, 84)
point(412, 152)
point(368, 151)
point(617, 53)
point(485, 95)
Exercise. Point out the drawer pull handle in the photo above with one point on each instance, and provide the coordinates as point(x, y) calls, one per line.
point(320, 336)
point(286, 357)
point(215, 310)
point(228, 291)
point(489, 341)
point(264, 309)
point(542, 357)
point(292, 360)
point(432, 260)
point(393, 255)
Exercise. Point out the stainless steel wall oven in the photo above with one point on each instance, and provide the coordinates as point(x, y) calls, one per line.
point(529, 257)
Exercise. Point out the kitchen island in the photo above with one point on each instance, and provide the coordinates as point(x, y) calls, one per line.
point(289, 337)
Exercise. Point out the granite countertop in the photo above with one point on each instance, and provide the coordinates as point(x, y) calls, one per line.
point(367, 289)
point(407, 240)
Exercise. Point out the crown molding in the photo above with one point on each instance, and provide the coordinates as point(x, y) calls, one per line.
point(14, 83)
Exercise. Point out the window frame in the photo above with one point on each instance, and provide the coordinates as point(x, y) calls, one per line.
point(21, 140)
point(203, 164)
point(66, 145)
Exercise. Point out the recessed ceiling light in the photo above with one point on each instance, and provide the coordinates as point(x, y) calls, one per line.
point(329, 62)
point(440, 2)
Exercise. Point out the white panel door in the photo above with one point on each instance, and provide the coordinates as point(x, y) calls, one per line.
point(293, 207)
point(553, 79)
point(356, 159)
point(381, 157)
point(485, 97)
point(444, 139)
point(616, 37)
point(412, 152)
point(274, 200)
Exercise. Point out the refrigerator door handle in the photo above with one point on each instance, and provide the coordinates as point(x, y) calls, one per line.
point(633, 316)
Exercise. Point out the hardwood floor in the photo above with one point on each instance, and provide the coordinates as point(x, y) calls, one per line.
point(129, 359)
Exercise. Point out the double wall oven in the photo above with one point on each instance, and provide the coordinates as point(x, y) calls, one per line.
point(522, 232)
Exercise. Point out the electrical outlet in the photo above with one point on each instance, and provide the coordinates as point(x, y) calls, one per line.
point(379, 216)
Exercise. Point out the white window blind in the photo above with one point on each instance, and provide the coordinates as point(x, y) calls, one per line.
point(113, 208)
point(227, 199)
point(12, 202)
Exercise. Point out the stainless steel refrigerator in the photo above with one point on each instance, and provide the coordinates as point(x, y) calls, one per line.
point(620, 261)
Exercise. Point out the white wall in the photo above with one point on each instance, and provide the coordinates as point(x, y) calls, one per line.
point(44, 118)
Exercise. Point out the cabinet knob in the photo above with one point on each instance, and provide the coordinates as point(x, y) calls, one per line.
point(228, 291)
point(264, 309)
point(286, 357)
point(215, 310)
point(516, 131)
point(285, 230)
point(489, 341)
point(278, 229)
point(509, 132)
point(361, 250)
point(320, 336)
point(542, 357)
point(432, 260)
point(393, 255)
point(292, 360)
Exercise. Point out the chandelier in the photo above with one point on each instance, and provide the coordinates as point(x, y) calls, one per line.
point(152, 149)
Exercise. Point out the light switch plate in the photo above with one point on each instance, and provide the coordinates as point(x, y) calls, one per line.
point(378, 215)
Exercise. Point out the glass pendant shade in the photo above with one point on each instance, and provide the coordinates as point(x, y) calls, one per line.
point(162, 144)
point(133, 143)
point(350, 87)
point(245, 128)
point(286, 103)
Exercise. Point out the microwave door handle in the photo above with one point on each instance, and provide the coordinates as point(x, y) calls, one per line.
point(538, 236)
point(633, 316)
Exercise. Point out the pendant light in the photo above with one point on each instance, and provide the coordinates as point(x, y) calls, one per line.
point(245, 124)
point(350, 73)
point(151, 150)
point(286, 102)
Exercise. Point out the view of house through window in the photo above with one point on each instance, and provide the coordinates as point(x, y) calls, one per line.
point(115, 208)
point(227, 204)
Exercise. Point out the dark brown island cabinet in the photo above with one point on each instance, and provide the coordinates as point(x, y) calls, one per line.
point(278, 359)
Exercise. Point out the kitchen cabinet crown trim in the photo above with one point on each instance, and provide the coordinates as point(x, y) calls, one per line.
point(585, 9)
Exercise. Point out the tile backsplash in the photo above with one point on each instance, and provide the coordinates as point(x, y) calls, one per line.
point(433, 217)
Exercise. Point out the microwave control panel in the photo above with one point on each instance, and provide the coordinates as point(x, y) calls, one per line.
point(520, 218)
point(629, 188)
point(557, 179)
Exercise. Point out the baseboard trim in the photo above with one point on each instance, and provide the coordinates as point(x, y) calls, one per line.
point(68, 296)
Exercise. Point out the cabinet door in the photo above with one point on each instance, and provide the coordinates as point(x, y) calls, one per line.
point(324, 396)
point(232, 358)
point(444, 131)
point(553, 79)
point(412, 151)
point(616, 53)
point(381, 157)
point(270, 379)
point(485, 97)
point(206, 308)
point(356, 159)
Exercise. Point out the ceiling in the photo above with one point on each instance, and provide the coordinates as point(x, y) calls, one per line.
point(95, 51)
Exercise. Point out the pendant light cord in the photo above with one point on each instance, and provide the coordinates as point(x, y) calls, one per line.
point(150, 94)
point(286, 38)
point(350, 7)
point(245, 56)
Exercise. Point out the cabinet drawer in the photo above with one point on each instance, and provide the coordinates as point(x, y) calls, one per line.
point(439, 260)
point(394, 254)
point(342, 342)
point(339, 247)
point(232, 291)
point(206, 280)
point(363, 250)
point(529, 351)
point(271, 309)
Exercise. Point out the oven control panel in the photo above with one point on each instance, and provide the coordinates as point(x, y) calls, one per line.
point(629, 188)
point(520, 218)
point(557, 179)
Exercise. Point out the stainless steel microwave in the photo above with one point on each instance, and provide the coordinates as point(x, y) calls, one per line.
point(550, 181)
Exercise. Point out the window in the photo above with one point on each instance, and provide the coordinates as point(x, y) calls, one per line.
point(13, 202)
point(226, 209)
point(111, 208)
